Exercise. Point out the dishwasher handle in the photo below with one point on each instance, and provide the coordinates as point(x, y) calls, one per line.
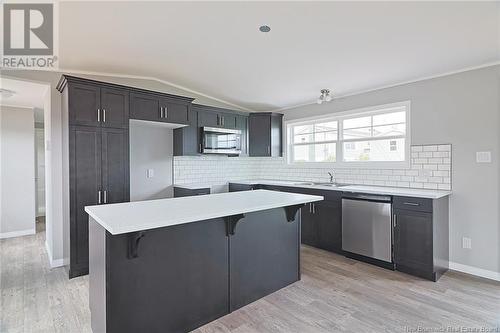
point(367, 197)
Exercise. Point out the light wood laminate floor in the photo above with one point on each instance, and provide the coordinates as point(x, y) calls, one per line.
point(335, 294)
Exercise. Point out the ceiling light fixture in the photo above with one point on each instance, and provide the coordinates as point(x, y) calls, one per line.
point(264, 28)
point(326, 96)
point(6, 93)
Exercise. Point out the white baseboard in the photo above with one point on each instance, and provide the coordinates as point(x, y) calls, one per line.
point(17, 233)
point(54, 262)
point(475, 271)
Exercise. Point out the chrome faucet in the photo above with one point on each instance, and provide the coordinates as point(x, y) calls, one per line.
point(332, 177)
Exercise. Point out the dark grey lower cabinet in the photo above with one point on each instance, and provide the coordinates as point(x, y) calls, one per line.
point(189, 192)
point(242, 187)
point(85, 183)
point(265, 252)
point(421, 236)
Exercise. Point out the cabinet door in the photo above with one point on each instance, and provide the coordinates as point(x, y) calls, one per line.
point(309, 228)
point(187, 139)
point(227, 120)
point(174, 112)
point(115, 165)
point(144, 107)
point(328, 217)
point(85, 184)
point(84, 104)
point(115, 107)
point(276, 136)
point(259, 132)
point(413, 240)
point(208, 119)
point(242, 125)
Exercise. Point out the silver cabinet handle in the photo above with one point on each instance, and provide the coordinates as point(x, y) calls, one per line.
point(98, 115)
point(99, 201)
point(165, 112)
point(314, 208)
point(103, 115)
point(310, 207)
point(161, 111)
point(411, 204)
point(269, 150)
point(200, 148)
point(395, 221)
point(105, 197)
point(222, 120)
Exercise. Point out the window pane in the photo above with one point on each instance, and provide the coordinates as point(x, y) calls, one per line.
point(357, 122)
point(325, 136)
point(301, 153)
point(374, 150)
point(325, 152)
point(389, 130)
point(322, 152)
point(302, 138)
point(357, 133)
point(302, 129)
point(328, 126)
point(389, 118)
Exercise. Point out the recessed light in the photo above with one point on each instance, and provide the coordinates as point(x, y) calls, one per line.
point(265, 28)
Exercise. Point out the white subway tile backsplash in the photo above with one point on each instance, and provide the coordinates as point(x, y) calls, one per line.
point(430, 168)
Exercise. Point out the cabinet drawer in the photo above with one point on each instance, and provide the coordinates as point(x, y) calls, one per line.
point(415, 204)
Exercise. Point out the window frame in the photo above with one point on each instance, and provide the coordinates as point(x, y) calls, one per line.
point(339, 117)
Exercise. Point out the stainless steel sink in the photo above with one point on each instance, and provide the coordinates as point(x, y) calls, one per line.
point(330, 184)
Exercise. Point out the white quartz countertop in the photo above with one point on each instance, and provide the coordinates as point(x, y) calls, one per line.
point(143, 215)
point(398, 191)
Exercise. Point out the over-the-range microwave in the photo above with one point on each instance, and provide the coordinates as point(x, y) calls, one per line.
point(220, 141)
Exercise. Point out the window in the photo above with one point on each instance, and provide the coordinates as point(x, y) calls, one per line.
point(374, 136)
point(315, 142)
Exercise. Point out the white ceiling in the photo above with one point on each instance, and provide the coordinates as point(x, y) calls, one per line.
point(215, 47)
point(26, 94)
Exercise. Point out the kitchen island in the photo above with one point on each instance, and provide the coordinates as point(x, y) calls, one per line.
point(172, 265)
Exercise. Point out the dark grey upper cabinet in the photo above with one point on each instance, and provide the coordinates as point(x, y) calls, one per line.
point(173, 112)
point(153, 107)
point(265, 132)
point(85, 103)
point(187, 139)
point(93, 105)
point(242, 125)
point(210, 116)
point(144, 107)
point(114, 107)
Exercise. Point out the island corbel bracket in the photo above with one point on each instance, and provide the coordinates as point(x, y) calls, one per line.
point(231, 222)
point(133, 244)
point(291, 211)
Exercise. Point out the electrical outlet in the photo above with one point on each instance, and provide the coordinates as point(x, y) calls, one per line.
point(151, 173)
point(483, 157)
point(466, 243)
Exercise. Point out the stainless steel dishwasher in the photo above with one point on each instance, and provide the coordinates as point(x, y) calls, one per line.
point(367, 226)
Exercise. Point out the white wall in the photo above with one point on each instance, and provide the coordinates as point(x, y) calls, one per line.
point(463, 110)
point(151, 147)
point(17, 132)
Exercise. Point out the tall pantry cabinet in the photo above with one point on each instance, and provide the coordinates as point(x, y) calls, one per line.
point(98, 156)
